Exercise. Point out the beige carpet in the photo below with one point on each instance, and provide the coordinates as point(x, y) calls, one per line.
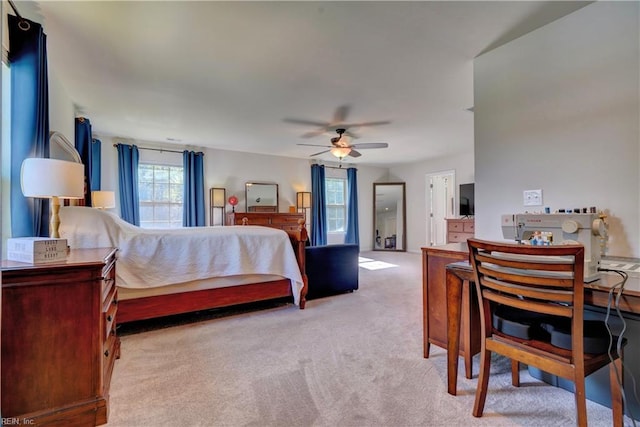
point(348, 360)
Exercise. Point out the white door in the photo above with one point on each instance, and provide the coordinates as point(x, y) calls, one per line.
point(440, 198)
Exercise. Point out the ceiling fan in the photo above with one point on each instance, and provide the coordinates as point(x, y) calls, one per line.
point(338, 122)
point(341, 148)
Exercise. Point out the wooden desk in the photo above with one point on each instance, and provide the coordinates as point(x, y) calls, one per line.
point(460, 273)
point(434, 261)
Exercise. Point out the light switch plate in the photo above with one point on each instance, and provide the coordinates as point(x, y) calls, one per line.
point(532, 197)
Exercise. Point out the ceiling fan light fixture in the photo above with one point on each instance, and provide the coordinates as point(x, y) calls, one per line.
point(340, 152)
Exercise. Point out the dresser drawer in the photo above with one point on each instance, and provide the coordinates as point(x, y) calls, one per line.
point(108, 279)
point(109, 313)
point(469, 227)
point(456, 226)
point(109, 298)
point(109, 351)
point(458, 237)
point(290, 227)
point(293, 219)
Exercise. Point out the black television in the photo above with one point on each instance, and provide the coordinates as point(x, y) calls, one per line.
point(466, 197)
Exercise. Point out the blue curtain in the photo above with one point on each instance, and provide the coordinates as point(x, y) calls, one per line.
point(96, 161)
point(352, 235)
point(128, 157)
point(193, 212)
point(29, 121)
point(318, 207)
point(83, 145)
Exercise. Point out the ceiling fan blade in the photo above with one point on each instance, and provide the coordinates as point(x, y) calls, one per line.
point(306, 122)
point(365, 124)
point(314, 133)
point(321, 152)
point(341, 113)
point(370, 145)
point(315, 145)
point(354, 153)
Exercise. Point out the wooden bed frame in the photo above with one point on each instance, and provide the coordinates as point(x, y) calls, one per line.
point(185, 302)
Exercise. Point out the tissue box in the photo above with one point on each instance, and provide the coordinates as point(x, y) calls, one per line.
point(36, 249)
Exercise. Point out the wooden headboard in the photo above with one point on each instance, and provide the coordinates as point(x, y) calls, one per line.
point(283, 221)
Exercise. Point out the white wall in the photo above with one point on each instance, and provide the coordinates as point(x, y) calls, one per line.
point(557, 110)
point(414, 175)
point(61, 109)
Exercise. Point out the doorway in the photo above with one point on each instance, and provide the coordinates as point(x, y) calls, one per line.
point(440, 199)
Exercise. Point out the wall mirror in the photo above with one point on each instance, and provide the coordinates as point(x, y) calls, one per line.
point(389, 220)
point(261, 197)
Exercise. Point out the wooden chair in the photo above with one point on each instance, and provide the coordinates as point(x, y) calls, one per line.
point(547, 281)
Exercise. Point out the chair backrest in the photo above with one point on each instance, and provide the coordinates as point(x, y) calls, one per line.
point(540, 279)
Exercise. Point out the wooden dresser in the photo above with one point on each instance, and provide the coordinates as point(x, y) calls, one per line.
point(459, 229)
point(434, 292)
point(283, 221)
point(59, 340)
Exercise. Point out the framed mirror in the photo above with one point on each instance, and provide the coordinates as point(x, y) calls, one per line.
point(389, 216)
point(261, 197)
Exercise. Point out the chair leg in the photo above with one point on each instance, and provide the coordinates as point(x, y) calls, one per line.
point(483, 382)
point(617, 405)
point(581, 402)
point(515, 373)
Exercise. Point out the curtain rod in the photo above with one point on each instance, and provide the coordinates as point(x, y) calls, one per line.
point(23, 24)
point(15, 9)
point(155, 149)
point(337, 167)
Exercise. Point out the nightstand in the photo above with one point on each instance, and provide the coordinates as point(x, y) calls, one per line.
point(59, 341)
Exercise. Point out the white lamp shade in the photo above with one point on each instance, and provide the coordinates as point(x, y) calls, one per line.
point(303, 200)
point(103, 199)
point(45, 178)
point(218, 197)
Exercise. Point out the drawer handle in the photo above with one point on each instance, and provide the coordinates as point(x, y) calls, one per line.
point(109, 318)
point(106, 353)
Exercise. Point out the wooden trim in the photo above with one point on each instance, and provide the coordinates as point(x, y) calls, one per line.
point(185, 302)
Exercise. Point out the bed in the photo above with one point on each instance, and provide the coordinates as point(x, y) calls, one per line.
point(174, 271)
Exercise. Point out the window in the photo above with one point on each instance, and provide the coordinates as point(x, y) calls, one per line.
point(161, 191)
point(336, 200)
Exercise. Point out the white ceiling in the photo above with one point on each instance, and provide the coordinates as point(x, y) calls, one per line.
point(227, 74)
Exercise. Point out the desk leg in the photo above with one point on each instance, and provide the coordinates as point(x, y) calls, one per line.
point(454, 303)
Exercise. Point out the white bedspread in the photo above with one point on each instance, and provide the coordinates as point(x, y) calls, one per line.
point(159, 257)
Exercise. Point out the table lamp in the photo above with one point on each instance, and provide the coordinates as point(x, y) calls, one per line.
point(103, 199)
point(218, 201)
point(52, 179)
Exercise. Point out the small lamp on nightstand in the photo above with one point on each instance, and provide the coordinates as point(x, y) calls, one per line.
point(103, 199)
point(233, 201)
point(52, 179)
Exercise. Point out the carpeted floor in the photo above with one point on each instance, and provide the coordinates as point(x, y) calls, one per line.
point(348, 360)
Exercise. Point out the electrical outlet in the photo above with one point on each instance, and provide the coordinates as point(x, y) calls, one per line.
point(532, 197)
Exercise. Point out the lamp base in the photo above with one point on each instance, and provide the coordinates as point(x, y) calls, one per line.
point(54, 221)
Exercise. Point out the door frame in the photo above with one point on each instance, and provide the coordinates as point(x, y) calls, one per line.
point(432, 201)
